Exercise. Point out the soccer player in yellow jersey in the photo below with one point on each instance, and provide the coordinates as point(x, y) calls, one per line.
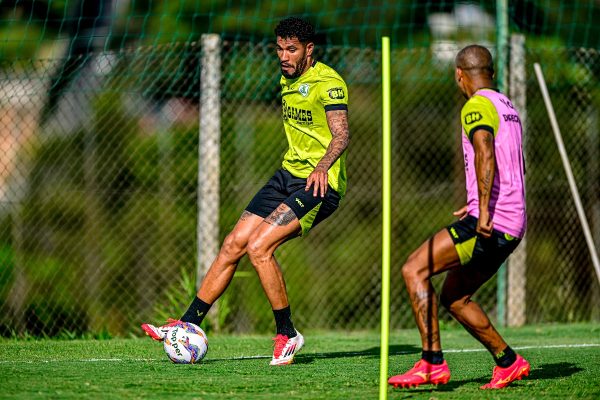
point(306, 190)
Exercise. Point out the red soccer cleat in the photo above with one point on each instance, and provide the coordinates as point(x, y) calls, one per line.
point(158, 333)
point(503, 376)
point(422, 373)
point(284, 348)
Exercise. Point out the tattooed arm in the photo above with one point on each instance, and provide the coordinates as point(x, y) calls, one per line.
point(337, 120)
point(485, 164)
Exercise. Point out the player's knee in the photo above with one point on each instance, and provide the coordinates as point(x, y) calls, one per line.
point(234, 246)
point(446, 301)
point(453, 304)
point(406, 272)
point(410, 270)
point(257, 250)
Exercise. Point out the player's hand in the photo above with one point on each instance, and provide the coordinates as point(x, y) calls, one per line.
point(484, 225)
point(460, 214)
point(318, 180)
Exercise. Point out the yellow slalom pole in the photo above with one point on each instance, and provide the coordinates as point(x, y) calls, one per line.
point(386, 200)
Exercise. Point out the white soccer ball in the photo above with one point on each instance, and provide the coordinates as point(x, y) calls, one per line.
point(185, 343)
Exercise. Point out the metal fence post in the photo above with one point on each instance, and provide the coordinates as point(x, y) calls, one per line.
point(517, 263)
point(208, 159)
point(501, 45)
point(593, 172)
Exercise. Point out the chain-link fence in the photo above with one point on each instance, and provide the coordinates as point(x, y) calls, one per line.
point(98, 214)
point(561, 281)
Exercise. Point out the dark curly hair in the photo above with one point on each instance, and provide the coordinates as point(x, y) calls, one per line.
point(295, 27)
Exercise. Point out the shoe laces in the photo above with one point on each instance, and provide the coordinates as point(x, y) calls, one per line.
point(170, 323)
point(421, 366)
point(496, 373)
point(279, 344)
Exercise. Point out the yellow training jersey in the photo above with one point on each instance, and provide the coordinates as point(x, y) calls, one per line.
point(304, 102)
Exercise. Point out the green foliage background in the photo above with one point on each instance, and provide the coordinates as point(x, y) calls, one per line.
point(104, 234)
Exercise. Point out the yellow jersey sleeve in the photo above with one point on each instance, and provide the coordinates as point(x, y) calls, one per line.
point(333, 94)
point(479, 113)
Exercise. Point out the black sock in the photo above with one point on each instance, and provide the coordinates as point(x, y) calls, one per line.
point(283, 320)
point(433, 357)
point(505, 358)
point(196, 312)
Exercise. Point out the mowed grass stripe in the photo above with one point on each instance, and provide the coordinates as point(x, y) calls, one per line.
point(322, 355)
point(565, 363)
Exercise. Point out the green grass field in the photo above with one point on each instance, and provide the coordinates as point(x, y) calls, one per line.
point(565, 363)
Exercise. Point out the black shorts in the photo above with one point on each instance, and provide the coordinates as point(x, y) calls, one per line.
point(285, 188)
point(474, 250)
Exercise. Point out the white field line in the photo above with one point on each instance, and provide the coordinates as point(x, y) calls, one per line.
point(317, 355)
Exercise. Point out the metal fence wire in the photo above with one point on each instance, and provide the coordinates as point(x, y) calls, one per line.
point(99, 188)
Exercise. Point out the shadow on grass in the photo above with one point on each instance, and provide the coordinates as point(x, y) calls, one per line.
point(449, 387)
point(556, 370)
point(307, 358)
point(544, 371)
point(373, 352)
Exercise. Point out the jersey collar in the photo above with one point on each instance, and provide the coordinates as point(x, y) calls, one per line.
point(488, 88)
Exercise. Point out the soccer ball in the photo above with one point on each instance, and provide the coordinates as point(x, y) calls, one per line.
point(185, 343)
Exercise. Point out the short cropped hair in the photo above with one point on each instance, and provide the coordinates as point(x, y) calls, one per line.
point(477, 58)
point(294, 27)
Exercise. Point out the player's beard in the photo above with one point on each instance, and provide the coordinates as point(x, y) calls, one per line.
point(297, 71)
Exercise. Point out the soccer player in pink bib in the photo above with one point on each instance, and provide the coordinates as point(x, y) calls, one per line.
point(489, 229)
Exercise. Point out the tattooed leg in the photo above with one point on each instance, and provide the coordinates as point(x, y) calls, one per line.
point(283, 215)
point(434, 256)
point(245, 215)
point(424, 305)
point(277, 228)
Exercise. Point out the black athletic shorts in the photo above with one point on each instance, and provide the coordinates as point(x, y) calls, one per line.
point(285, 188)
point(477, 251)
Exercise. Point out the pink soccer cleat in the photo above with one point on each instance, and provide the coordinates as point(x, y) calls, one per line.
point(422, 373)
point(502, 377)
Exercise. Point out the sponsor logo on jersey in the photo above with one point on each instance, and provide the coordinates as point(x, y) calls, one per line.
point(511, 118)
point(473, 117)
point(303, 89)
point(299, 202)
point(507, 103)
point(336, 93)
point(299, 115)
